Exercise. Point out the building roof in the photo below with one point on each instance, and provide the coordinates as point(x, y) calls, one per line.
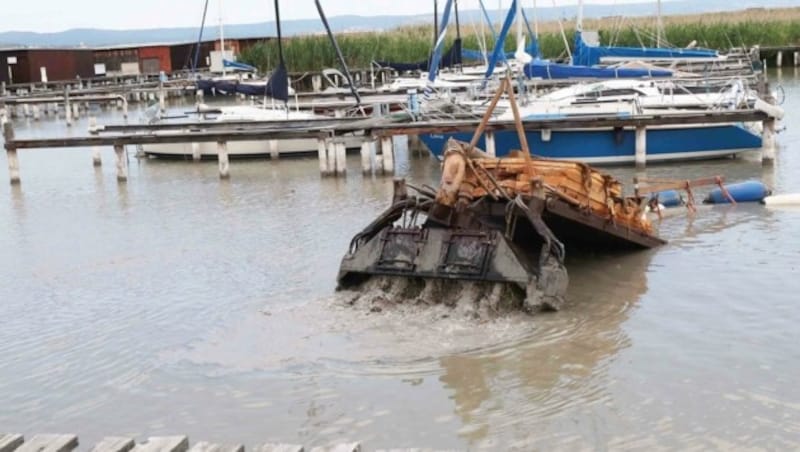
point(175, 43)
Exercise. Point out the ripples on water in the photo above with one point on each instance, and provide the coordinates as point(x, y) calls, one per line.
point(181, 304)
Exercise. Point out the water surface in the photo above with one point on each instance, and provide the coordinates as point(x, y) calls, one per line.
point(181, 304)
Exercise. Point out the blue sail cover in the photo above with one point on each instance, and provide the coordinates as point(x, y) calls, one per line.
point(437, 50)
point(586, 55)
point(532, 48)
point(500, 42)
point(550, 71)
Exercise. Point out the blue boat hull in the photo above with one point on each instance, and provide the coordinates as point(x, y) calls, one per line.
point(609, 146)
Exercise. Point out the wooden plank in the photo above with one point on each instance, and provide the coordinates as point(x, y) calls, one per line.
point(204, 446)
point(50, 443)
point(163, 444)
point(10, 441)
point(270, 447)
point(344, 447)
point(114, 444)
point(416, 450)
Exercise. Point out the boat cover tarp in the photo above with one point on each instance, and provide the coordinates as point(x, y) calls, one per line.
point(549, 71)
point(452, 58)
point(589, 55)
point(277, 87)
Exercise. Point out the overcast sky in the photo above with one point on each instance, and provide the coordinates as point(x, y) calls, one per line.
point(59, 15)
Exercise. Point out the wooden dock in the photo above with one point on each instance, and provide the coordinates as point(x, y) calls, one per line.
point(377, 134)
point(70, 442)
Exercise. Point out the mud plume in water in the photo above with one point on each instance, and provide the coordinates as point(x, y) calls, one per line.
point(443, 298)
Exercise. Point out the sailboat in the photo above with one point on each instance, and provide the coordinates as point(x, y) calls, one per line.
point(589, 52)
point(277, 88)
point(624, 97)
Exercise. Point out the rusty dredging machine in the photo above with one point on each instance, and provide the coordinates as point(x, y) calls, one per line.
point(505, 223)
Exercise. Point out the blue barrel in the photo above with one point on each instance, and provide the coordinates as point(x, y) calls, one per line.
point(750, 191)
point(669, 198)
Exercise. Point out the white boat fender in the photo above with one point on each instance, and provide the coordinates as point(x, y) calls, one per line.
point(773, 111)
point(788, 199)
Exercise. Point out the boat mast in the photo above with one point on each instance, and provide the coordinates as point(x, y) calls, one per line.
point(280, 37)
point(222, 38)
point(535, 22)
point(519, 22)
point(579, 24)
point(458, 23)
point(659, 24)
point(435, 22)
point(199, 39)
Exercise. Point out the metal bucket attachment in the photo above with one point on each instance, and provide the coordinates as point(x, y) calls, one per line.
point(436, 253)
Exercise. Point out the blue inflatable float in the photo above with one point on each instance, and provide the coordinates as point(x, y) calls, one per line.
point(750, 191)
point(669, 198)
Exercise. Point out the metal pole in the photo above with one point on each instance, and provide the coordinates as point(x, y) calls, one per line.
point(199, 39)
point(659, 24)
point(222, 38)
point(338, 51)
point(435, 22)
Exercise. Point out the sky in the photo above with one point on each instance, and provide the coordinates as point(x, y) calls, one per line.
point(59, 15)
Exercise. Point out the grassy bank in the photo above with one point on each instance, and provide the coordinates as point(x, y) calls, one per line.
point(766, 27)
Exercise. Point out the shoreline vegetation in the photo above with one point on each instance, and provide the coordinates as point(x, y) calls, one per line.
point(756, 26)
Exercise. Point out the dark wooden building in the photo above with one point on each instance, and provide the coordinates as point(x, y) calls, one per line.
point(38, 65)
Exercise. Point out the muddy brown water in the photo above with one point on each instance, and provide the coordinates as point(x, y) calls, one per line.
point(179, 304)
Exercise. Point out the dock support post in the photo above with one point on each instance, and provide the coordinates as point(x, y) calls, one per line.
point(796, 61)
point(316, 83)
point(196, 156)
point(96, 159)
point(11, 154)
point(162, 102)
point(198, 96)
point(366, 154)
point(779, 59)
point(768, 142)
point(26, 110)
point(387, 154)
point(330, 147)
point(341, 157)
point(322, 153)
point(76, 110)
point(67, 107)
point(3, 91)
point(122, 163)
point(36, 112)
point(222, 156)
point(641, 147)
point(125, 108)
point(491, 148)
point(273, 150)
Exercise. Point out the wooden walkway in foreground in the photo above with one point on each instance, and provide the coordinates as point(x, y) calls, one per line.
point(69, 442)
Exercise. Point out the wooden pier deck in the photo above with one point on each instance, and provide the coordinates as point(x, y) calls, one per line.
point(70, 442)
point(329, 132)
